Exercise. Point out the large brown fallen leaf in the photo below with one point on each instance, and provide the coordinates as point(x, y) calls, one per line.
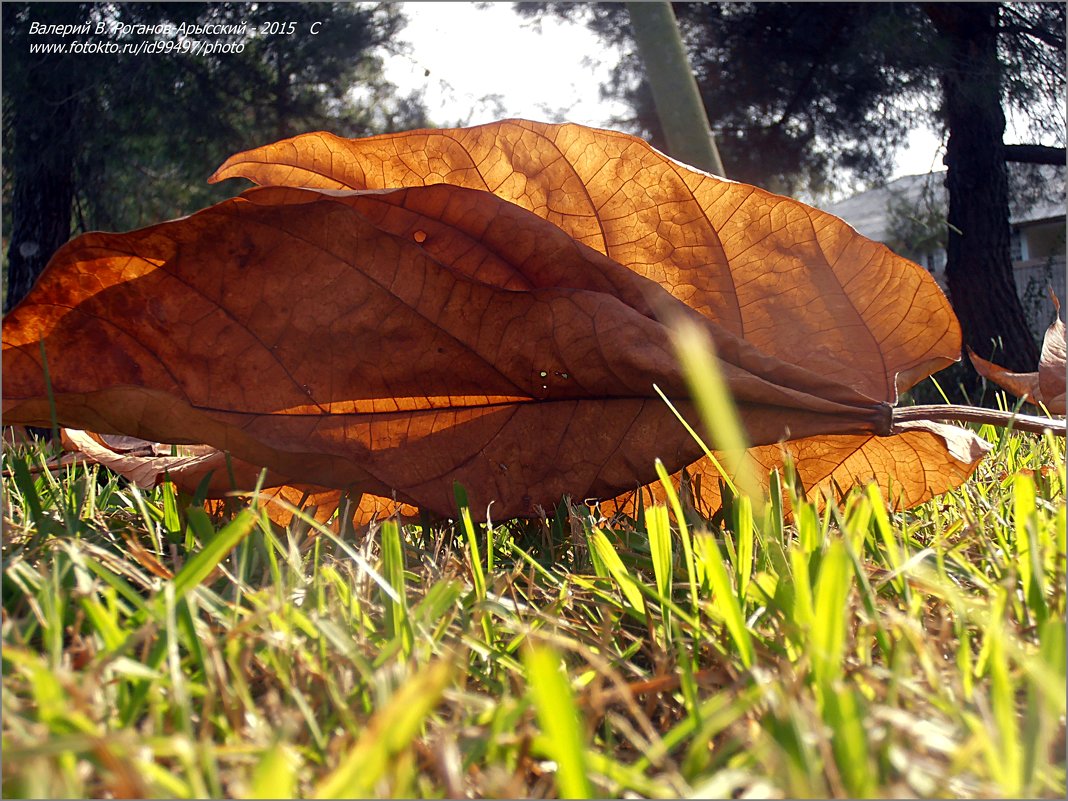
point(1047, 384)
point(398, 340)
point(794, 282)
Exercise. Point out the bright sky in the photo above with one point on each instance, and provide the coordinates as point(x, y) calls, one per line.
point(476, 65)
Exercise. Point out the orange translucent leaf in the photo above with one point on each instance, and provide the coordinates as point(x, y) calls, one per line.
point(1047, 384)
point(1051, 364)
point(322, 504)
point(925, 460)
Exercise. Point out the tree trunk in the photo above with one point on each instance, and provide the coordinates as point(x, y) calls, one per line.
point(42, 109)
point(979, 267)
point(40, 214)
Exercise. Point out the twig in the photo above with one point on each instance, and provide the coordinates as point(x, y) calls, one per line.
point(973, 414)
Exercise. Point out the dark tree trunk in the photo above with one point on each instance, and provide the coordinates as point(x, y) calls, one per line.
point(40, 214)
point(42, 107)
point(979, 267)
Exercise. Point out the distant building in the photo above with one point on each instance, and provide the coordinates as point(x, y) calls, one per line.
point(908, 215)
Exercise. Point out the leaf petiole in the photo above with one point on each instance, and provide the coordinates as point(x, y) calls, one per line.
point(974, 414)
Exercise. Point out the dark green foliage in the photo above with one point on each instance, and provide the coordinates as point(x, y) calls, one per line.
point(113, 141)
point(794, 91)
point(802, 95)
point(799, 91)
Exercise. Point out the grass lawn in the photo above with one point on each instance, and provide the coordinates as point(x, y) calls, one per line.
point(153, 650)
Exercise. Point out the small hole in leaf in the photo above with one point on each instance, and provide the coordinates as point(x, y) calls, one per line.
point(419, 236)
point(543, 374)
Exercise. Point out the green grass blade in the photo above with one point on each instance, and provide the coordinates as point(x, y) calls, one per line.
point(559, 719)
point(50, 394)
point(103, 624)
point(684, 532)
point(659, 530)
point(171, 522)
point(802, 613)
point(388, 734)
point(395, 604)
point(744, 544)
point(867, 597)
point(720, 469)
point(715, 404)
point(275, 775)
point(28, 489)
point(478, 575)
point(1043, 697)
point(600, 545)
point(828, 625)
point(849, 740)
point(1029, 558)
point(808, 527)
point(199, 567)
point(725, 598)
point(891, 551)
point(1008, 763)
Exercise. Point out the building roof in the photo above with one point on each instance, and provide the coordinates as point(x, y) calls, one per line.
point(868, 211)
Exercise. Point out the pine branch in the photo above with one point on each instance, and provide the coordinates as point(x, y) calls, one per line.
point(1035, 154)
